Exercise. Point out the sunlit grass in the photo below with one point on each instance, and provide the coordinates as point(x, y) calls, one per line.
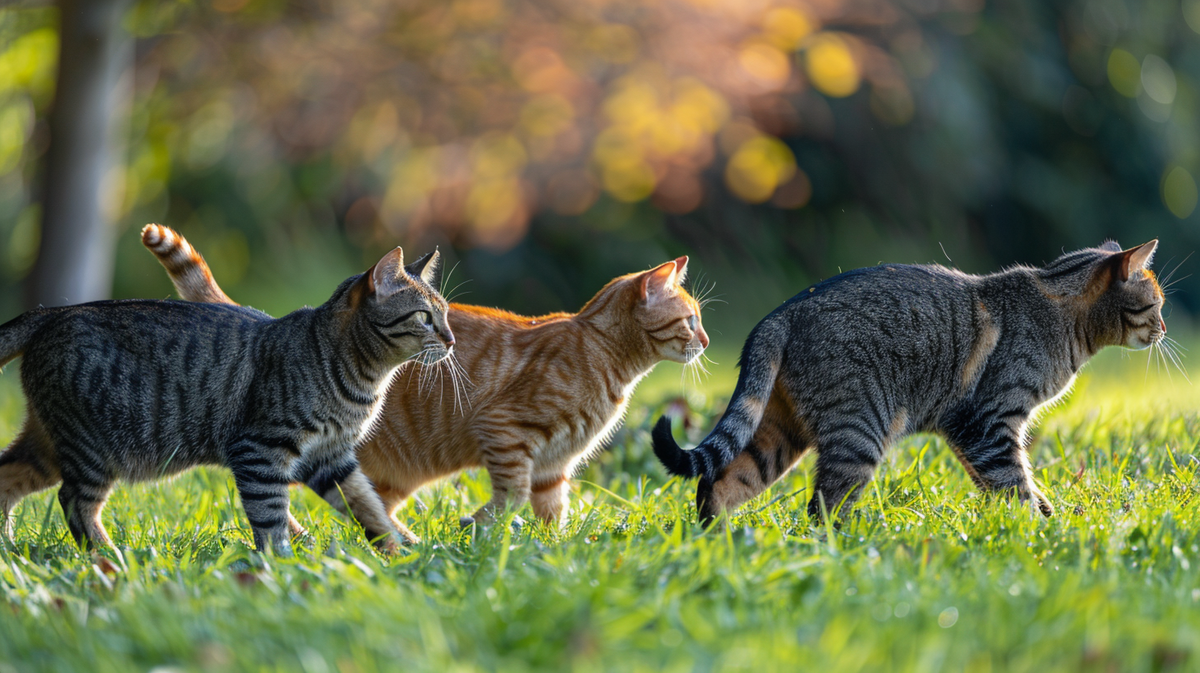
point(926, 575)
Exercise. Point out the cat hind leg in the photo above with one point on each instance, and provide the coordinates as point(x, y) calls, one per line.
point(779, 442)
point(82, 501)
point(846, 462)
point(26, 466)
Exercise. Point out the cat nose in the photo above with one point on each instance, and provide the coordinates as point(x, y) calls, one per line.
point(1163, 324)
point(703, 337)
point(448, 339)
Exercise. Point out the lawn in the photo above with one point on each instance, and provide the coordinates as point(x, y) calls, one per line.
point(925, 576)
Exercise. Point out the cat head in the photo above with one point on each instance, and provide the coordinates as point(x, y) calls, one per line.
point(668, 315)
point(401, 309)
point(1116, 291)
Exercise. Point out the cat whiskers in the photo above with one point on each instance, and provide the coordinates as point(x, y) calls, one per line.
point(446, 365)
point(450, 296)
point(1173, 351)
point(694, 366)
point(460, 381)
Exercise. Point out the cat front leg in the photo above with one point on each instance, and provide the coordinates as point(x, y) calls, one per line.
point(342, 484)
point(511, 470)
point(261, 476)
point(392, 499)
point(549, 496)
point(995, 455)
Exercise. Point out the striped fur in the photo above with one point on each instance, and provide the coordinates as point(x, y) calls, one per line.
point(856, 362)
point(533, 396)
point(140, 390)
point(188, 270)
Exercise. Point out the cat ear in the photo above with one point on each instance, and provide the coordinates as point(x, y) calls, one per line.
point(681, 269)
point(428, 269)
point(659, 280)
point(1136, 259)
point(383, 278)
point(1110, 246)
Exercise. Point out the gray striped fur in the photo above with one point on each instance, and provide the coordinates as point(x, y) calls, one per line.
point(858, 361)
point(139, 390)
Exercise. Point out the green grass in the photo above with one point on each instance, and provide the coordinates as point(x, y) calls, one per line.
point(926, 576)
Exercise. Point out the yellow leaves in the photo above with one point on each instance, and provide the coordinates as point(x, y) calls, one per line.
point(414, 175)
point(496, 156)
point(1124, 73)
point(30, 62)
point(1179, 191)
point(654, 122)
point(786, 27)
point(697, 104)
point(613, 42)
point(623, 170)
point(765, 63)
point(547, 115)
point(541, 69)
point(758, 167)
point(16, 123)
point(491, 205)
point(832, 67)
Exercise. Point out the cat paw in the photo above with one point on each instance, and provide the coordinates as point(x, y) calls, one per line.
point(468, 521)
point(1043, 505)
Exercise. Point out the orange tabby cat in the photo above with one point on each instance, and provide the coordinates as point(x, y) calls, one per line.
point(541, 394)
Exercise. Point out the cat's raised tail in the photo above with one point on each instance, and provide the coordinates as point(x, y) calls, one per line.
point(760, 361)
point(187, 269)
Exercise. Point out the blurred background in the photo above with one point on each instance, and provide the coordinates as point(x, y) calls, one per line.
point(549, 145)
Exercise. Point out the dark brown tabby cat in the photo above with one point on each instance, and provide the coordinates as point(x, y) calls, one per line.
point(141, 390)
point(858, 361)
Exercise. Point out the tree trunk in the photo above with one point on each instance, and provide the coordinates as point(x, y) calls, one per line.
point(75, 259)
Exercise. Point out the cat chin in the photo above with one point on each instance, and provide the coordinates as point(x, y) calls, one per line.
point(1138, 345)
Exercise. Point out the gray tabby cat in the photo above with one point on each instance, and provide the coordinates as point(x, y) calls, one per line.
point(140, 390)
point(858, 361)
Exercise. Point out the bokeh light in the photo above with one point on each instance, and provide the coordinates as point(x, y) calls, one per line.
point(1179, 191)
point(831, 65)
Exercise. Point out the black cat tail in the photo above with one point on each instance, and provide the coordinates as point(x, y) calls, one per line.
point(760, 361)
point(15, 334)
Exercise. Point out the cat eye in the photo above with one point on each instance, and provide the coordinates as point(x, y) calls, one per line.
point(1135, 311)
point(693, 322)
point(424, 317)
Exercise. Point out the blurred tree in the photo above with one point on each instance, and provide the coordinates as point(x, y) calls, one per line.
point(76, 255)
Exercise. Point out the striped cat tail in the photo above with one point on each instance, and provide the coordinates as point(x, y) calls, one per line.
point(15, 334)
point(186, 268)
point(759, 363)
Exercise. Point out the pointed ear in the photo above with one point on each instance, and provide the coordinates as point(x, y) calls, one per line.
point(428, 269)
point(658, 280)
point(383, 278)
point(1111, 246)
point(681, 270)
point(1137, 259)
